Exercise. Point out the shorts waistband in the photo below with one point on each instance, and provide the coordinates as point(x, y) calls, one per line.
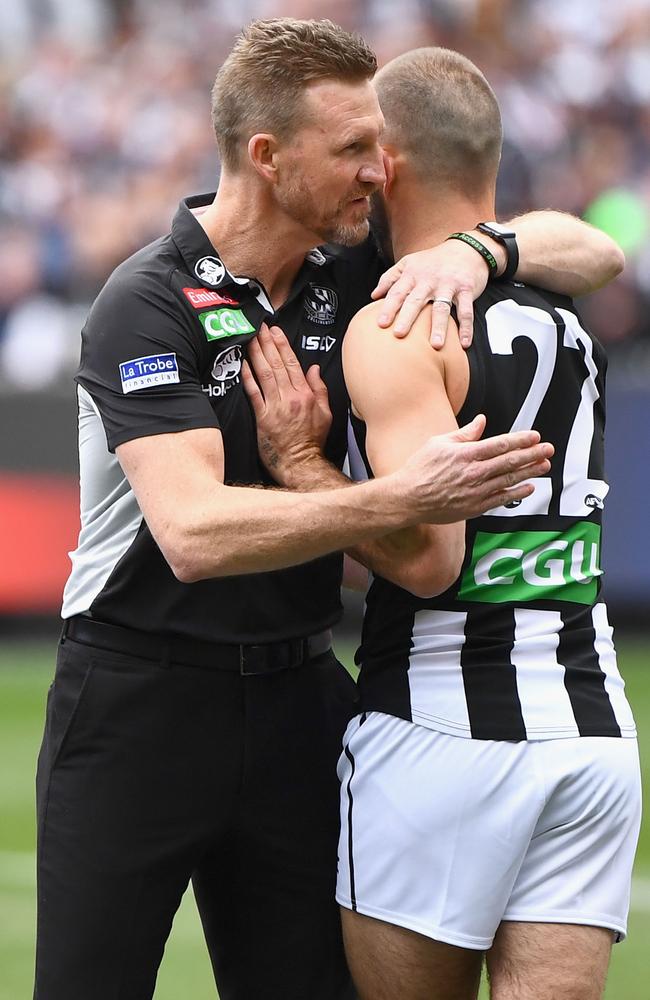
point(244, 659)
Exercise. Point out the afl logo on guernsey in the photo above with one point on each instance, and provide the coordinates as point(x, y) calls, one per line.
point(210, 270)
point(321, 304)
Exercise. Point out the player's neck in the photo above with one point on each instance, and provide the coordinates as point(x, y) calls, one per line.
point(417, 223)
point(254, 239)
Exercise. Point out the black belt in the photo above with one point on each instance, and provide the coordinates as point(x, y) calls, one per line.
point(245, 659)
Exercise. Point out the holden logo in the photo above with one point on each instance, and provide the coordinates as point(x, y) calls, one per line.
point(227, 365)
point(591, 500)
point(321, 305)
point(210, 270)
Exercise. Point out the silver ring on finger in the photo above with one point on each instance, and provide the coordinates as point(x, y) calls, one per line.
point(447, 302)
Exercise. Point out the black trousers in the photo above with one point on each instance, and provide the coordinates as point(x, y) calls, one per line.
point(150, 775)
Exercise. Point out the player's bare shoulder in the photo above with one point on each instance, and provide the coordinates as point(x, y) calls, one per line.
point(366, 319)
point(382, 370)
point(365, 333)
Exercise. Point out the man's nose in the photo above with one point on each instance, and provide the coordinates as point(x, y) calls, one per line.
point(373, 172)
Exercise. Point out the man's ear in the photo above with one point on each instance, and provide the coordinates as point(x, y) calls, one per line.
point(262, 153)
point(389, 168)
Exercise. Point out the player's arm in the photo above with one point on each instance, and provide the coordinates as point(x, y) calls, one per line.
point(397, 387)
point(556, 250)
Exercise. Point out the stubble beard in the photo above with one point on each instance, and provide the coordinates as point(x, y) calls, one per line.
point(349, 236)
point(297, 200)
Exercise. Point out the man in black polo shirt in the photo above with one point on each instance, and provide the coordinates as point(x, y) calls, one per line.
point(185, 734)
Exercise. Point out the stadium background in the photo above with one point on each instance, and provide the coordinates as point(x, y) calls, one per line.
point(104, 125)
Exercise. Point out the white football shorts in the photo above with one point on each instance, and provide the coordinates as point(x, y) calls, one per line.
point(449, 836)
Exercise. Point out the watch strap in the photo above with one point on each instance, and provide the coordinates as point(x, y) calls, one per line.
point(508, 240)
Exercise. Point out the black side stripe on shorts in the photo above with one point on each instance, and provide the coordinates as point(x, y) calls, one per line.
point(353, 895)
point(490, 678)
point(585, 680)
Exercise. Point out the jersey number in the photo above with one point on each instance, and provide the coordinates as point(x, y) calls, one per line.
point(505, 322)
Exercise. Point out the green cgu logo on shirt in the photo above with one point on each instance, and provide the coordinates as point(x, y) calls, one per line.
point(522, 566)
point(219, 323)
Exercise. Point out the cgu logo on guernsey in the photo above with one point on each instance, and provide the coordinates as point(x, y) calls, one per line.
point(225, 323)
point(522, 566)
point(145, 373)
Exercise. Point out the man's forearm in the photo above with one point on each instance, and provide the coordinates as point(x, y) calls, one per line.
point(385, 555)
point(262, 530)
point(560, 252)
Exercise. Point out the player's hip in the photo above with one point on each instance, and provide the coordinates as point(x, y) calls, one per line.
point(450, 836)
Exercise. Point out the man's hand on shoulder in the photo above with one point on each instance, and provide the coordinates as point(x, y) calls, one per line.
point(556, 251)
point(451, 273)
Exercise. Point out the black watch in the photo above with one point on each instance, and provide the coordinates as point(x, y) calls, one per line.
point(508, 239)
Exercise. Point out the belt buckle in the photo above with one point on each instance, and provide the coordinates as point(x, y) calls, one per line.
point(254, 660)
point(260, 659)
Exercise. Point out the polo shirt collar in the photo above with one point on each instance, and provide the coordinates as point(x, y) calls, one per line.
point(204, 263)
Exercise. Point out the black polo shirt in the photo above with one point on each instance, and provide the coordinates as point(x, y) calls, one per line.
point(161, 352)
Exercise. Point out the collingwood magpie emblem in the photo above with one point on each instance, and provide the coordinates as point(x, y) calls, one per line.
point(316, 256)
point(321, 304)
point(210, 270)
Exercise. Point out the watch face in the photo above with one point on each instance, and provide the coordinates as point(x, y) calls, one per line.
point(495, 229)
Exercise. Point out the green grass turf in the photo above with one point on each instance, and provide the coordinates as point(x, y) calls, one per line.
point(25, 672)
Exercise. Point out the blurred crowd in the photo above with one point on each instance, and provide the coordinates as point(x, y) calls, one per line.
point(104, 126)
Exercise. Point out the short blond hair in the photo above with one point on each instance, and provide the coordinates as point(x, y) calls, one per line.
point(442, 114)
point(260, 86)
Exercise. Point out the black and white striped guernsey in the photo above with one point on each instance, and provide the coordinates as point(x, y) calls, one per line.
point(520, 646)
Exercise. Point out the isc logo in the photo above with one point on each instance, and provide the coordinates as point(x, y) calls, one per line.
point(316, 343)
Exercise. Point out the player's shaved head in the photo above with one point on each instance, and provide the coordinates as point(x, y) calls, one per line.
point(442, 116)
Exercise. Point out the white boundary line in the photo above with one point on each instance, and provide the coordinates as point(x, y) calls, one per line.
point(18, 871)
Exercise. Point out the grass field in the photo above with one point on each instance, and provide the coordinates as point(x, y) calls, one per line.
point(25, 672)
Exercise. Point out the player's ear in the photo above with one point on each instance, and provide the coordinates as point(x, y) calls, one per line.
point(389, 169)
point(262, 153)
